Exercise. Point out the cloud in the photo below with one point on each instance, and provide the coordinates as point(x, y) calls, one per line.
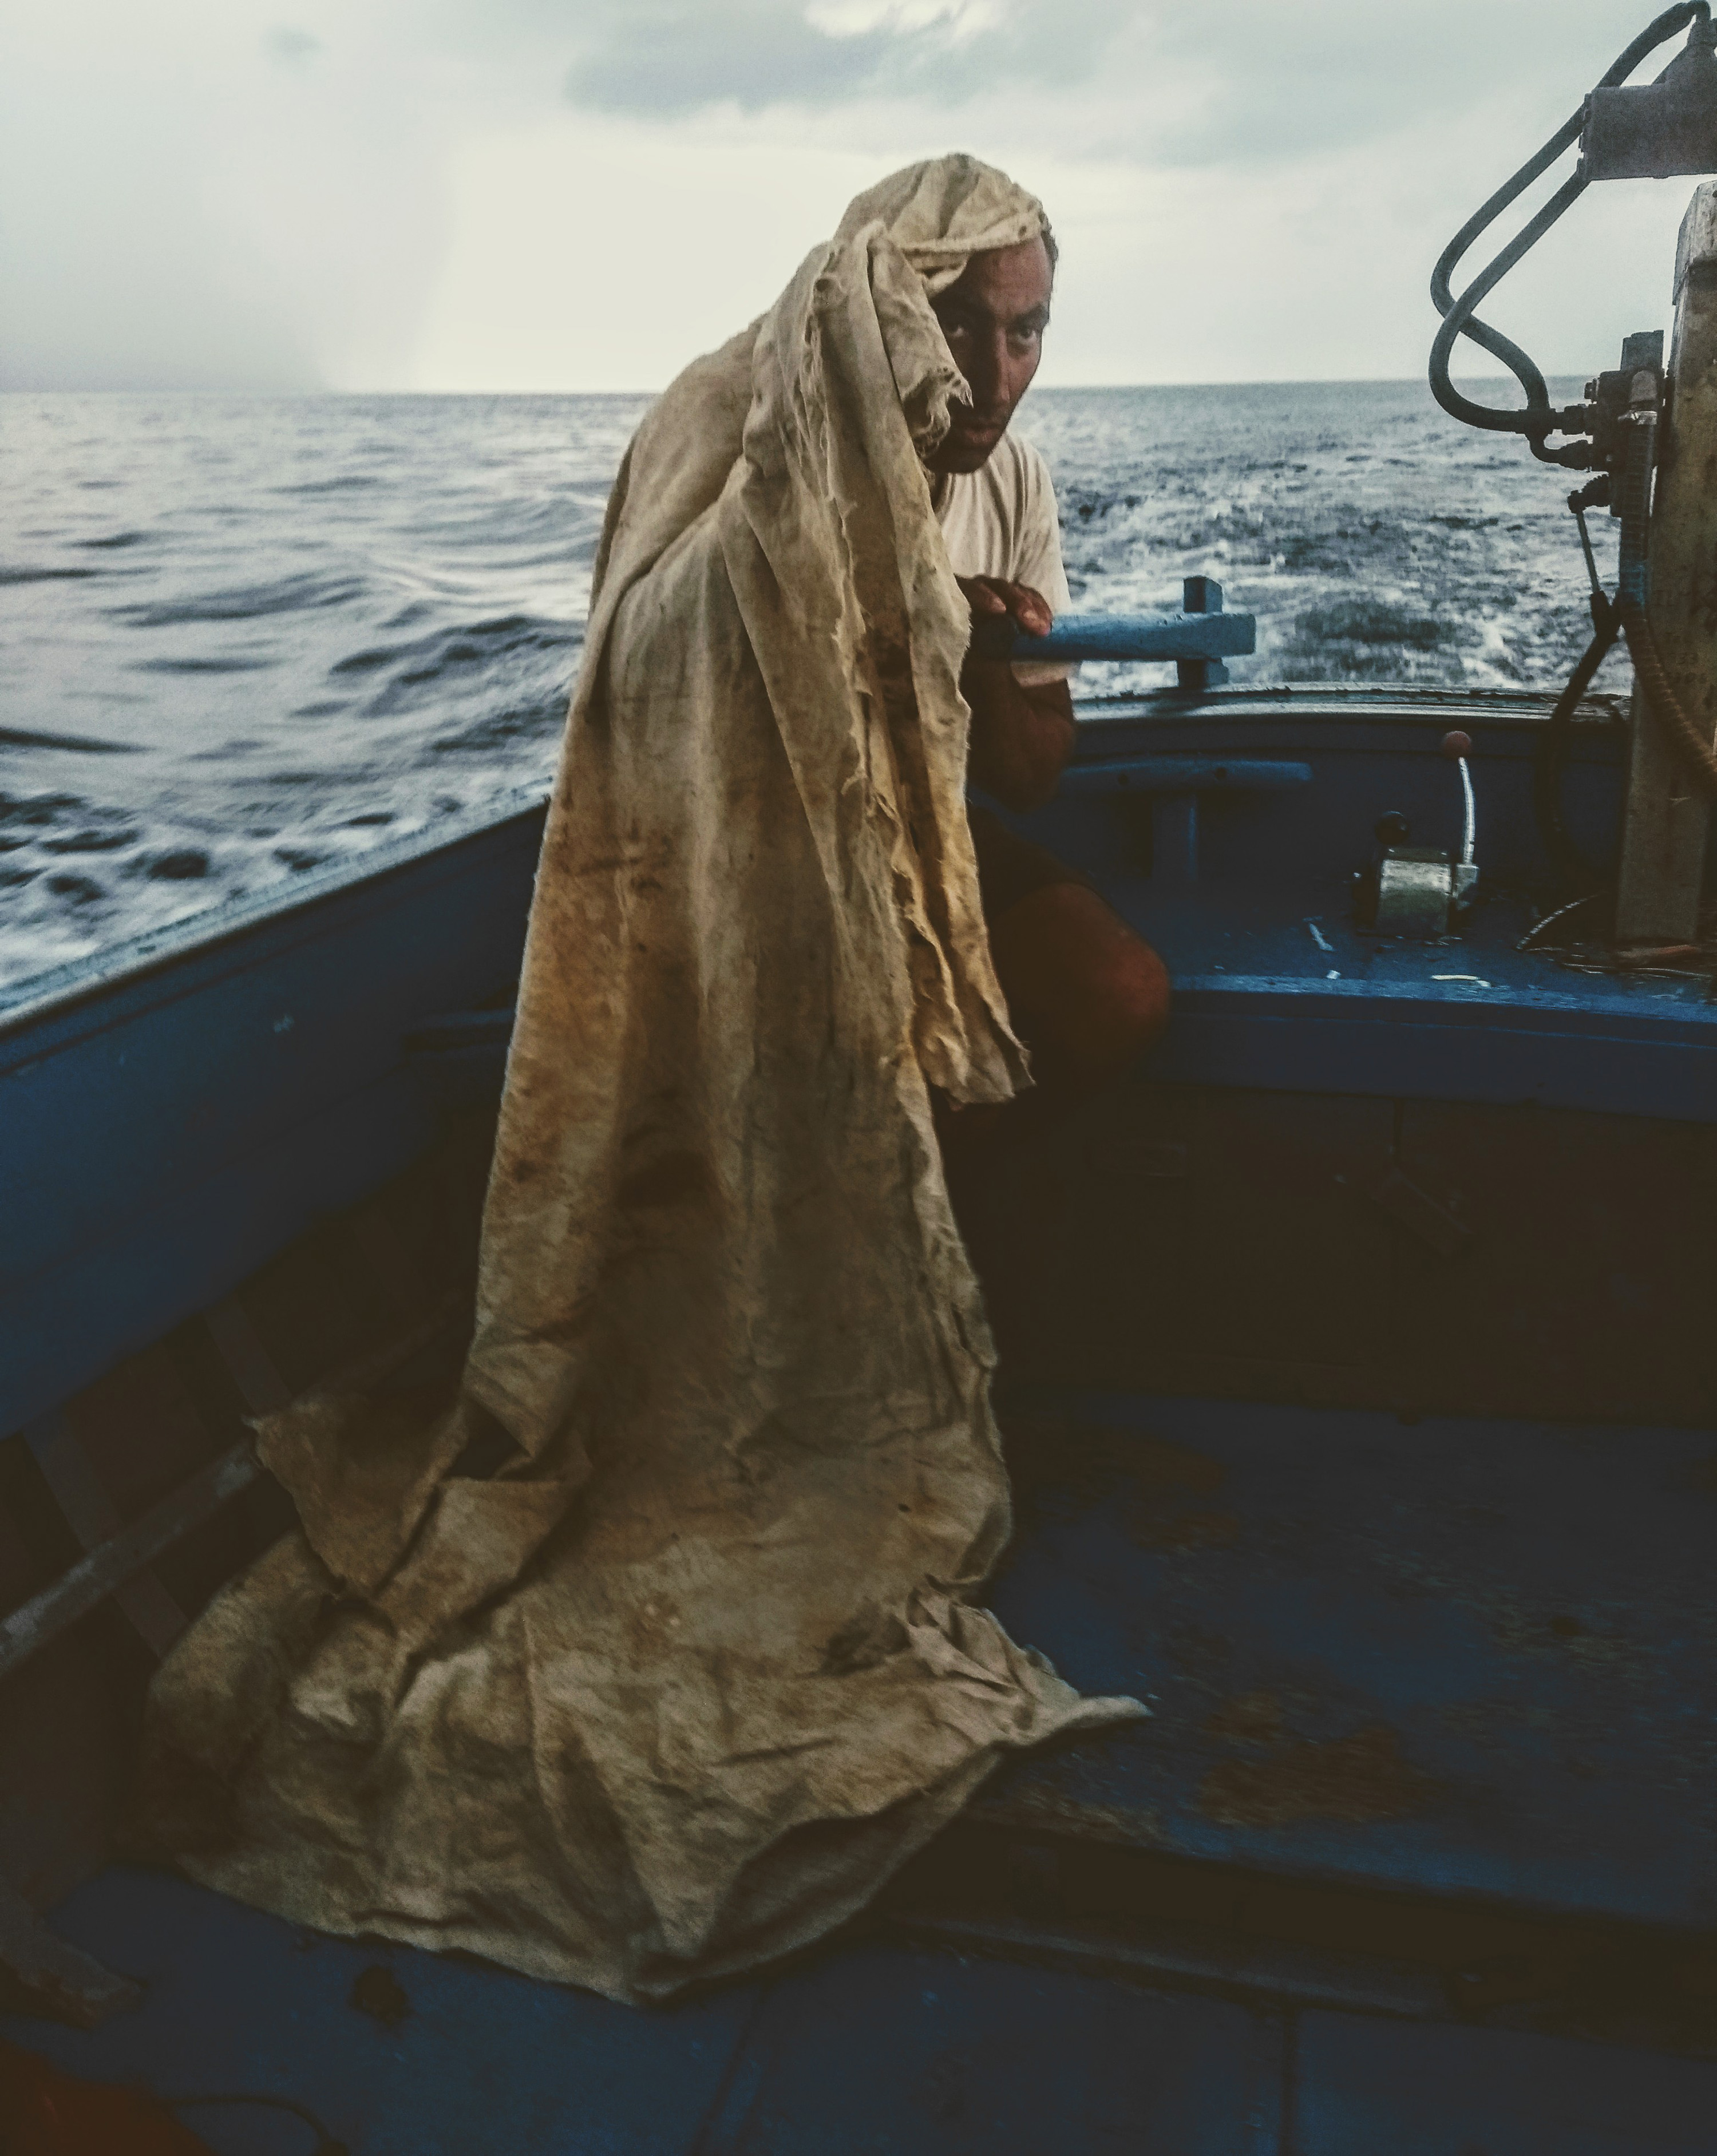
point(1255, 82)
point(187, 201)
point(670, 57)
point(372, 194)
point(292, 46)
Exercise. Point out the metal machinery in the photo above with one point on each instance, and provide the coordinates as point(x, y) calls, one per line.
point(1651, 435)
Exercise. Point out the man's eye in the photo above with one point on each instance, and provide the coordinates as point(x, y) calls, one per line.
point(1024, 339)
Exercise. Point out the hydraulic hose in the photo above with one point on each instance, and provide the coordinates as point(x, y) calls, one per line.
point(1459, 318)
point(1632, 586)
point(1662, 702)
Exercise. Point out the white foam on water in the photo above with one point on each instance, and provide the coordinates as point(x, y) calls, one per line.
point(303, 625)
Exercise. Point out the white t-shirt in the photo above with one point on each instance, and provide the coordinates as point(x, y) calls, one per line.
point(1002, 521)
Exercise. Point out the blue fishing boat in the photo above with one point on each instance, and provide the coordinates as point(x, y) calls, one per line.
point(1358, 1386)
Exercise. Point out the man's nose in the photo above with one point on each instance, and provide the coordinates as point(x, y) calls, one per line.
point(989, 379)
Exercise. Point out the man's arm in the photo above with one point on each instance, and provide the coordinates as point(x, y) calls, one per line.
point(1021, 738)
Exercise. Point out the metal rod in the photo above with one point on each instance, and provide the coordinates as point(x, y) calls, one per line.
point(94, 1518)
point(1469, 835)
point(89, 1582)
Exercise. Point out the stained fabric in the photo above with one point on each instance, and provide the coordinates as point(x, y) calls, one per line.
point(678, 1687)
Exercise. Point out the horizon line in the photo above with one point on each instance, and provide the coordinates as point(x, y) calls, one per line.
point(1052, 388)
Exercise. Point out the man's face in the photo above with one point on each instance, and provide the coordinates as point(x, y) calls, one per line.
point(994, 319)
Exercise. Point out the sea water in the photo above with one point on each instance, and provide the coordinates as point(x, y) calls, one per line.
point(243, 637)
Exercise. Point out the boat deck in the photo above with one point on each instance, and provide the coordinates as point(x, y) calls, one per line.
point(870, 2047)
point(1467, 1657)
point(1406, 1546)
point(1416, 1853)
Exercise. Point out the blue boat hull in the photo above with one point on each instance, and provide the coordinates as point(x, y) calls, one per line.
point(1358, 1388)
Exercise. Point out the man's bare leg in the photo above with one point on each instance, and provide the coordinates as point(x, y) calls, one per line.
point(1086, 995)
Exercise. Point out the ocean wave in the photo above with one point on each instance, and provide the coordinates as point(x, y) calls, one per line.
point(348, 618)
point(214, 666)
point(342, 483)
point(248, 602)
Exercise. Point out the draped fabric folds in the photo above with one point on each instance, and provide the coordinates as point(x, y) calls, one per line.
point(676, 1689)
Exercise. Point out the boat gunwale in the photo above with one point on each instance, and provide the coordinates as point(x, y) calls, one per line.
point(138, 959)
point(119, 966)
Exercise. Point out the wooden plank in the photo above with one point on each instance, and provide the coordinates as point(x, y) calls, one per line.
point(1202, 596)
point(1199, 635)
point(1199, 1954)
point(1667, 829)
point(1666, 835)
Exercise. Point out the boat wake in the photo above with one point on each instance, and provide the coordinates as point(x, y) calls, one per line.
point(244, 637)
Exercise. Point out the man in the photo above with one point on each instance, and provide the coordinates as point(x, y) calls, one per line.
point(675, 1690)
point(1084, 993)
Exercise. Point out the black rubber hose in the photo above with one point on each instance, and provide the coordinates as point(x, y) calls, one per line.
point(1460, 321)
point(1694, 752)
point(1458, 316)
point(1551, 753)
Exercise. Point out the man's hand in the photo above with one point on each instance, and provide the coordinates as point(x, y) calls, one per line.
point(1021, 738)
point(988, 597)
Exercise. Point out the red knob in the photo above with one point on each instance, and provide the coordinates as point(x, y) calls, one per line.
point(1456, 745)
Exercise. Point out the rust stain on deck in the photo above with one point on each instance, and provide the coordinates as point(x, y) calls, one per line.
point(1358, 1777)
point(1057, 1462)
point(1049, 1809)
point(1153, 1528)
point(1250, 1717)
point(379, 1993)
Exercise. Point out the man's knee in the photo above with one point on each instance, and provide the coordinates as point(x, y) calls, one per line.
point(1135, 996)
point(1125, 1007)
point(1089, 996)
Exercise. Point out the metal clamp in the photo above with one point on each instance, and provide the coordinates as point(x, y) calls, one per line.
point(1417, 892)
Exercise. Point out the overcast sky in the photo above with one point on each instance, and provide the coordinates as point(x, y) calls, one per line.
point(498, 195)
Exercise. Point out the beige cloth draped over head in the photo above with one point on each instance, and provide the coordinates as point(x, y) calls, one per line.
point(678, 1688)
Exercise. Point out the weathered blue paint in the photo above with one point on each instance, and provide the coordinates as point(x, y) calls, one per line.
point(867, 2049)
point(169, 1122)
point(1512, 1617)
point(1362, 2087)
point(1186, 635)
point(174, 1113)
point(1201, 595)
point(1518, 1612)
point(1617, 1051)
point(1183, 774)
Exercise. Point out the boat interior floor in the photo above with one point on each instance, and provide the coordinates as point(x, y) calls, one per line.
point(871, 2046)
point(1414, 1852)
